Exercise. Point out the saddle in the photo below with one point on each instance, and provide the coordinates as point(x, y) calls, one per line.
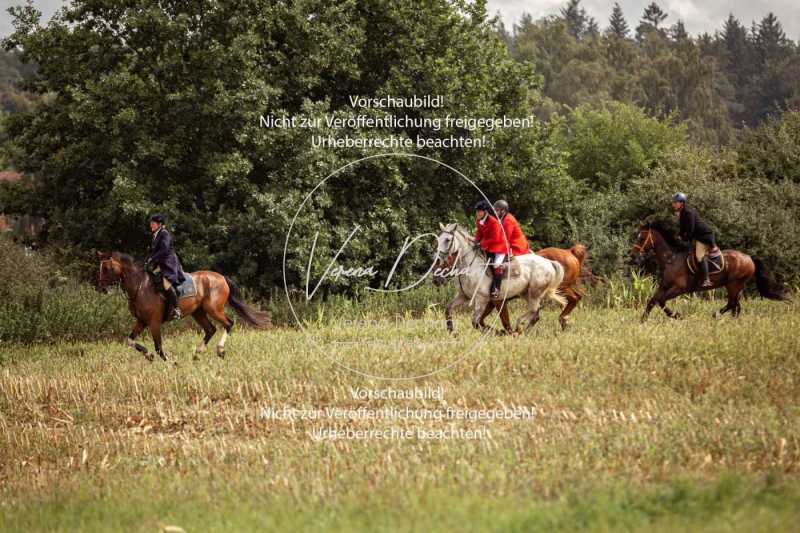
point(187, 289)
point(716, 262)
point(509, 269)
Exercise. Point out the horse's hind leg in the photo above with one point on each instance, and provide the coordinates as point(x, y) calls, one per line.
point(527, 320)
point(131, 340)
point(573, 297)
point(219, 315)
point(201, 318)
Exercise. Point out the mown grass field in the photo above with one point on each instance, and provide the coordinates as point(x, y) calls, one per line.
point(671, 425)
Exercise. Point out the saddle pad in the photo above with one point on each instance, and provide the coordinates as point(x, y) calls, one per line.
point(187, 288)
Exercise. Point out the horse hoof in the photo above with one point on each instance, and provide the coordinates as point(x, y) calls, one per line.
point(150, 357)
point(163, 356)
point(221, 354)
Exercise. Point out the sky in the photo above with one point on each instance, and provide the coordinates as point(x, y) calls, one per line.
point(698, 15)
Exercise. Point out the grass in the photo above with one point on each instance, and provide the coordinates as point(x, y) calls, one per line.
point(670, 425)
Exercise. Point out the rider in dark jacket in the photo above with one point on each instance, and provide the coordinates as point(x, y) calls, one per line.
point(164, 262)
point(695, 230)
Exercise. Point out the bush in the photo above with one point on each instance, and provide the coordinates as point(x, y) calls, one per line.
point(39, 303)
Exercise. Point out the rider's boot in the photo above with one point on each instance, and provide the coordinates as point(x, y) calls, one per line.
point(496, 280)
point(704, 270)
point(172, 299)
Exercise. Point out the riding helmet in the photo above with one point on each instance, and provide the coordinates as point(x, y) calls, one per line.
point(679, 197)
point(501, 205)
point(158, 217)
point(483, 205)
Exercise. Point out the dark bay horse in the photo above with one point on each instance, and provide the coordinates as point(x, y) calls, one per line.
point(677, 279)
point(148, 306)
point(572, 260)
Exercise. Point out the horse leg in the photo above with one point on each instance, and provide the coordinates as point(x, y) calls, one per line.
point(131, 340)
point(654, 299)
point(459, 300)
point(219, 315)
point(504, 318)
point(201, 318)
point(155, 331)
point(573, 298)
point(486, 312)
point(669, 294)
point(734, 297)
point(527, 320)
point(477, 312)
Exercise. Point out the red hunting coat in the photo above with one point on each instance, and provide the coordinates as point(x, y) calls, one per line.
point(490, 236)
point(516, 239)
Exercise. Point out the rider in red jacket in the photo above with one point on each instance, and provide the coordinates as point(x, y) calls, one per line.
point(490, 237)
point(516, 239)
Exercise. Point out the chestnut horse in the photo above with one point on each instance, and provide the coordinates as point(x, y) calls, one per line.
point(677, 279)
point(572, 260)
point(148, 306)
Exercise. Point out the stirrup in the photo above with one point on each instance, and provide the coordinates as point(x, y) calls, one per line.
point(707, 283)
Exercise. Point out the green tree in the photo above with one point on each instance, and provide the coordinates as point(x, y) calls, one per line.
point(610, 147)
point(156, 106)
point(617, 25)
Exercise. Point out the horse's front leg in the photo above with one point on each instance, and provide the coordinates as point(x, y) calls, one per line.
point(155, 332)
point(131, 340)
point(459, 300)
point(479, 306)
point(654, 299)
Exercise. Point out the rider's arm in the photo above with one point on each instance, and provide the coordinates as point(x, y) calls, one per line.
point(162, 248)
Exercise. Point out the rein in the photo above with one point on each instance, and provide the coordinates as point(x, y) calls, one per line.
point(641, 248)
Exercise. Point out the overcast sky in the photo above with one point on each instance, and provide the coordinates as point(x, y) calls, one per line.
point(698, 15)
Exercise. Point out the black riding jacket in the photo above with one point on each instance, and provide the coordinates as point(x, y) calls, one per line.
point(692, 228)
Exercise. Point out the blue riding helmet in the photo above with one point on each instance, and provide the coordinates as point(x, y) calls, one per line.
point(158, 217)
point(679, 197)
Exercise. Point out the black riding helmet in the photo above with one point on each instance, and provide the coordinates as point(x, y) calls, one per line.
point(483, 205)
point(158, 217)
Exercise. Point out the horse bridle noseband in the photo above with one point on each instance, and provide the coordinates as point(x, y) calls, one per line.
point(648, 241)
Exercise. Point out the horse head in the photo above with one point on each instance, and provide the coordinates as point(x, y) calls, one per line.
point(111, 271)
point(645, 242)
point(447, 248)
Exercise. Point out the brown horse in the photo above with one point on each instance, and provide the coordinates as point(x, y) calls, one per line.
point(148, 307)
point(572, 260)
point(677, 279)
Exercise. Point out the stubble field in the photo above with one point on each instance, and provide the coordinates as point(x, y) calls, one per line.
point(690, 424)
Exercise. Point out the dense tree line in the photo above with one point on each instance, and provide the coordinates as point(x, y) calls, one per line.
point(149, 106)
point(717, 83)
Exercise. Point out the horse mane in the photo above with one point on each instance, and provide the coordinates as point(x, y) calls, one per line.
point(128, 260)
point(668, 234)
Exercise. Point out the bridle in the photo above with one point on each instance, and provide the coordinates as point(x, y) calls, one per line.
point(106, 263)
point(448, 257)
point(648, 242)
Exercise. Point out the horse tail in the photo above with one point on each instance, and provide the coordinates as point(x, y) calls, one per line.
point(579, 251)
point(552, 289)
point(250, 315)
point(765, 287)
